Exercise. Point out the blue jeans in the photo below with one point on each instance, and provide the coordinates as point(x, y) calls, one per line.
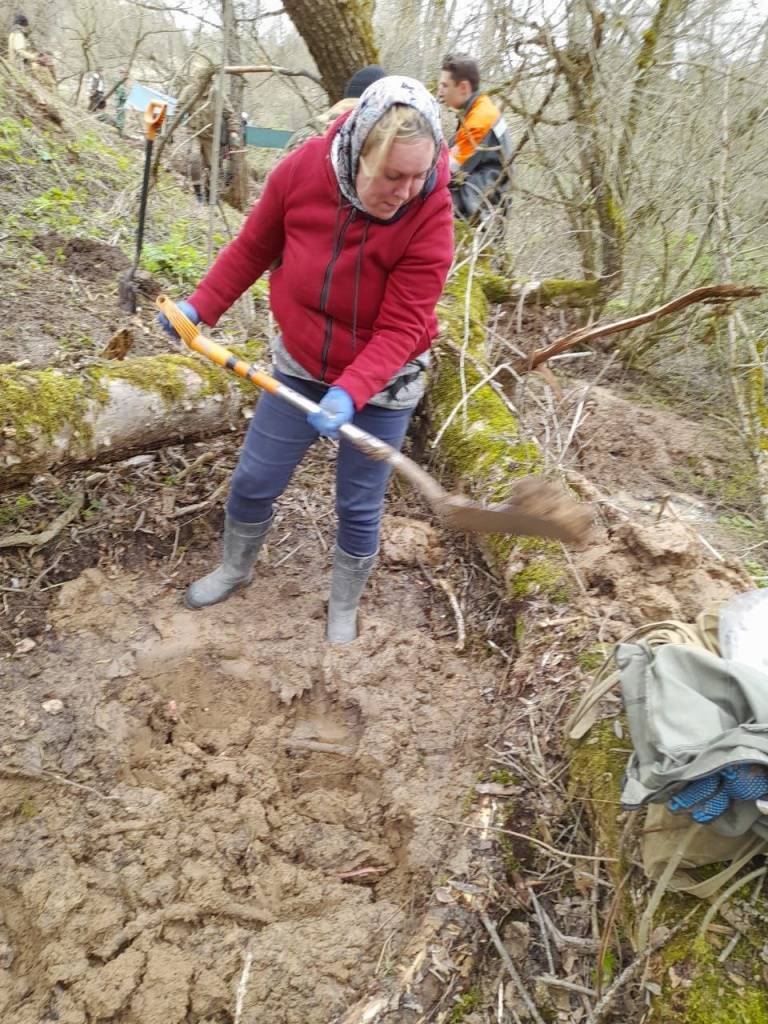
point(278, 438)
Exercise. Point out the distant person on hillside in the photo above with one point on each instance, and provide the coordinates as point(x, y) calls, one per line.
point(359, 227)
point(25, 58)
point(353, 90)
point(480, 149)
point(121, 98)
point(96, 89)
point(201, 93)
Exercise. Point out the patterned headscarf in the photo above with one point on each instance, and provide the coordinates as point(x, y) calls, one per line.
point(373, 104)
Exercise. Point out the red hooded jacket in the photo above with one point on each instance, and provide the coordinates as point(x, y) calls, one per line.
point(354, 296)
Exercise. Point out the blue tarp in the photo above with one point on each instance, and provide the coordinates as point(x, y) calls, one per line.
point(140, 96)
point(266, 138)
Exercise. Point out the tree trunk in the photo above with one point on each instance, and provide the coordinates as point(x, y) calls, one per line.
point(339, 35)
point(52, 422)
point(238, 188)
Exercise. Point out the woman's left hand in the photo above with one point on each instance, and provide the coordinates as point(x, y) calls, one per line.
point(336, 409)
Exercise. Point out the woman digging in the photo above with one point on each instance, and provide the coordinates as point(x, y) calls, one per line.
point(360, 225)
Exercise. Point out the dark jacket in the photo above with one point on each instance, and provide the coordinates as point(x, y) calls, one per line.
point(354, 296)
point(481, 155)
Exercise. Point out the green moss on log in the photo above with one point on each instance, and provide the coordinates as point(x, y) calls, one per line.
point(46, 403)
point(42, 402)
point(483, 445)
point(549, 292)
point(543, 575)
point(597, 764)
point(164, 375)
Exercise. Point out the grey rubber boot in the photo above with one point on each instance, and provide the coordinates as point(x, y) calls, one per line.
point(242, 543)
point(348, 579)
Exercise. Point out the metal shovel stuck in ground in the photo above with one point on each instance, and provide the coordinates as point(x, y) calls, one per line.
point(154, 116)
point(536, 507)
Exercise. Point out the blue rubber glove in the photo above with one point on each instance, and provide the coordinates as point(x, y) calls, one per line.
point(336, 409)
point(706, 798)
point(189, 312)
point(700, 794)
point(745, 781)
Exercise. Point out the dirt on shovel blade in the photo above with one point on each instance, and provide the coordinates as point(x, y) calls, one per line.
point(536, 508)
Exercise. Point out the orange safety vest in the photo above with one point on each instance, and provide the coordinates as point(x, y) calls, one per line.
point(473, 128)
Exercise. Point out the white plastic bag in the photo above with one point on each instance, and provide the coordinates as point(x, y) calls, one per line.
point(743, 629)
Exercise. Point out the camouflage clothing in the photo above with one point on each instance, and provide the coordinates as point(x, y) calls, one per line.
point(25, 58)
point(200, 124)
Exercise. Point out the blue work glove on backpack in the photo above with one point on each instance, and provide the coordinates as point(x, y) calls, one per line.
point(336, 409)
point(706, 798)
point(189, 312)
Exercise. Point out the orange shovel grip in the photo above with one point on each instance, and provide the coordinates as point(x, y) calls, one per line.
point(190, 335)
point(154, 116)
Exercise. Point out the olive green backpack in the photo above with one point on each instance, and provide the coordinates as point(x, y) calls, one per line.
point(673, 847)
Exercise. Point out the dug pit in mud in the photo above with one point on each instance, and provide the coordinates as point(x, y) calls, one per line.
point(222, 790)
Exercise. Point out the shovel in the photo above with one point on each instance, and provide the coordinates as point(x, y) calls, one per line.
point(154, 116)
point(536, 508)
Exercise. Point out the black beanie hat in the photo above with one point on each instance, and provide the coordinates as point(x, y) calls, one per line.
point(360, 81)
point(21, 19)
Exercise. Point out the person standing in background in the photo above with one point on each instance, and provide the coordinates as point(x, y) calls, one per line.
point(121, 98)
point(96, 89)
point(481, 149)
point(201, 94)
point(25, 58)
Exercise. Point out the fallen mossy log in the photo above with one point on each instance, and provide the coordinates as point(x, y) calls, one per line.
point(56, 422)
point(548, 292)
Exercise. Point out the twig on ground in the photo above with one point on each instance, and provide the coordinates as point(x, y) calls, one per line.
point(543, 930)
point(569, 985)
point(288, 555)
point(14, 773)
point(189, 509)
point(313, 520)
point(38, 540)
point(726, 893)
point(317, 746)
point(739, 935)
point(536, 842)
point(454, 603)
point(511, 969)
point(242, 987)
point(566, 941)
point(199, 461)
point(630, 970)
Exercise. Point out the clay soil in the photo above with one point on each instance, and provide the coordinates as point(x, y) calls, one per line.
point(199, 803)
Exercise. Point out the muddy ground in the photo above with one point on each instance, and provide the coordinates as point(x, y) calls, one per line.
point(213, 817)
point(185, 794)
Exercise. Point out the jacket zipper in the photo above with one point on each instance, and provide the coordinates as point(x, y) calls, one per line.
point(326, 289)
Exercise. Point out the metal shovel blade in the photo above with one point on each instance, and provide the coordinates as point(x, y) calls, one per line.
point(536, 508)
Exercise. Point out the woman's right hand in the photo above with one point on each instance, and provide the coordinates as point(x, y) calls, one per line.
point(184, 307)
